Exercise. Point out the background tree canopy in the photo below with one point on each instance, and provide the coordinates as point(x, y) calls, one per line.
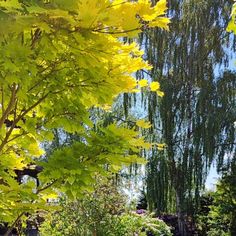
point(196, 117)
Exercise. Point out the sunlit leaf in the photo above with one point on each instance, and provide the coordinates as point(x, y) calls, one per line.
point(143, 124)
point(143, 83)
point(154, 86)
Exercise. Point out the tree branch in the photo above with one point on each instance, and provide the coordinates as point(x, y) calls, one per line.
point(10, 104)
point(115, 32)
point(17, 119)
point(46, 187)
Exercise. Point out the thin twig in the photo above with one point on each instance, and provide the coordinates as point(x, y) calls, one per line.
point(46, 187)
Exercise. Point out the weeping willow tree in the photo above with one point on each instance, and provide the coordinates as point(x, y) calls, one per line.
point(196, 116)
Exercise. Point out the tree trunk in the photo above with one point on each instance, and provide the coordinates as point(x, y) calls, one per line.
point(180, 215)
point(233, 224)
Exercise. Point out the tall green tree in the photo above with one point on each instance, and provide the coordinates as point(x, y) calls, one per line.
point(196, 116)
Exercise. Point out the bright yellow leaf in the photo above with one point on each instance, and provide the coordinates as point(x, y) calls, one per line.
point(106, 107)
point(161, 22)
point(154, 86)
point(143, 83)
point(135, 90)
point(160, 93)
point(49, 196)
point(143, 124)
point(161, 146)
point(160, 7)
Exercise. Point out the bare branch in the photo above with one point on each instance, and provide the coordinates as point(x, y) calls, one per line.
point(115, 32)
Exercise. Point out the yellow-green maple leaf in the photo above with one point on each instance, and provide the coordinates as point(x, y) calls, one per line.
point(143, 124)
point(143, 83)
point(154, 86)
point(160, 93)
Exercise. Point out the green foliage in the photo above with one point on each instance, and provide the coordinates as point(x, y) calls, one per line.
point(221, 218)
point(95, 212)
point(142, 224)
point(206, 201)
point(109, 146)
point(100, 213)
point(223, 211)
point(58, 59)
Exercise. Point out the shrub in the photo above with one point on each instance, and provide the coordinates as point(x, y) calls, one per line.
point(101, 213)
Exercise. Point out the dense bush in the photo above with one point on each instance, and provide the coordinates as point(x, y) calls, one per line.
point(132, 223)
point(101, 213)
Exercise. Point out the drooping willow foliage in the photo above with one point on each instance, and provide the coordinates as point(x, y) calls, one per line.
point(196, 116)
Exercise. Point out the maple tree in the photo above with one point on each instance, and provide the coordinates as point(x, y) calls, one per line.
point(58, 59)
